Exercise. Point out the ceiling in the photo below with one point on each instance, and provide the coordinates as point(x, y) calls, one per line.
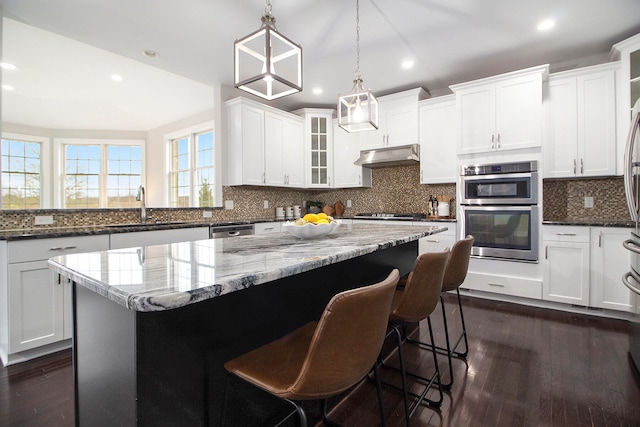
point(450, 41)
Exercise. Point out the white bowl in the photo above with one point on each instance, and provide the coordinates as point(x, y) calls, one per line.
point(310, 231)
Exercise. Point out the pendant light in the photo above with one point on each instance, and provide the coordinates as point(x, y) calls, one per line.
point(267, 64)
point(358, 109)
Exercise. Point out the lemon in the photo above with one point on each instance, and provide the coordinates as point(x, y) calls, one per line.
point(323, 221)
point(311, 218)
point(322, 215)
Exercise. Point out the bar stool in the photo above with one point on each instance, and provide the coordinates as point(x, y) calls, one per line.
point(414, 303)
point(322, 359)
point(454, 275)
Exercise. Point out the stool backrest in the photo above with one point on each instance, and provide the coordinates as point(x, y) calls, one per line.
point(458, 264)
point(422, 290)
point(347, 340)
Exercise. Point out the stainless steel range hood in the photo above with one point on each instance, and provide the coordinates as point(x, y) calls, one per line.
point(391, 156)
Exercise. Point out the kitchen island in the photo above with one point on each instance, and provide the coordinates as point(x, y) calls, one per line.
point(154, 325)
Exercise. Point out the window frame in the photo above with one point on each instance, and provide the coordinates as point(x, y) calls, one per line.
point(46, 184)
point(59, 167)
point(191, 132)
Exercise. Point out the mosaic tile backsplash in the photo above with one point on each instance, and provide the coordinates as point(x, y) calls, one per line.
point(395, 189)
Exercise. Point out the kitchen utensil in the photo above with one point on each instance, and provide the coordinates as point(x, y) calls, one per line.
point(339, 209)
point(328, 210)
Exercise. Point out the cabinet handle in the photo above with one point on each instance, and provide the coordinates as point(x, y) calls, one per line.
point(433, 241)
point(268, 228)
point(498, 140)
point(546, 252)
point(496, 285)
point(574, 166)
point(565, 234)
point(581, 166)
point(493, 144)
point(600, 239)
point(360, 179)
point(264, 178)
point(62, 248)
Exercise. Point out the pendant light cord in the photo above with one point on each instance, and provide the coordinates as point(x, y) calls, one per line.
point(358, 76)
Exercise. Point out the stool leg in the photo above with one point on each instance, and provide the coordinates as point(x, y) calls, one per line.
point(448, 385)
point(403, 374)
point(464, 331)
point(379, 392)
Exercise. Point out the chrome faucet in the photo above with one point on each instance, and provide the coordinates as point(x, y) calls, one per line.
point(143, 209)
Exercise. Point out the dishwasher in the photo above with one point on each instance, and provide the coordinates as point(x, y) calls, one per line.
point(229, 230)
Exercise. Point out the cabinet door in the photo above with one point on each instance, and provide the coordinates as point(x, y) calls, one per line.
point(438, 139)
point(293, 152)
point(566, 272)
point(346, 150)
point(274, 173)
point(561, 143)
point(319, 140)
point(252, 145)
point(36, 311)
point(476, 115)
point(609, 261)
point(267, 227)
point(518, 113)
point(399, 122)
point(596, 124)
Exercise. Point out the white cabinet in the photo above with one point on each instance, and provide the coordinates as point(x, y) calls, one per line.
point(318, 143)
point(438, 140)
point(267, 227)
point(437, 242)
point(157, 237)
point(502, 112)
point(36, 306)
point(264, 145)
point(580, 134)
point(398, 122)
point(566, 264)
point(346, 150)
point(609, 261)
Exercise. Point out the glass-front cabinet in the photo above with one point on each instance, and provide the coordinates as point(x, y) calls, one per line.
point(318, 135)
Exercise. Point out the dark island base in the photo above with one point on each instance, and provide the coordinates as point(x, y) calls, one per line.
point(166, 367)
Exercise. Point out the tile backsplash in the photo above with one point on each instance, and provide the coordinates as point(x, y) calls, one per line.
point(563, 199)
point(395, 189)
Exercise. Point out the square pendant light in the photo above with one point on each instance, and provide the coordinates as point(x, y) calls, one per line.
point(268, 64)
point(358, 109)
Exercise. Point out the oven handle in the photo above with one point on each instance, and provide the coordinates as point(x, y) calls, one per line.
point(631, 246)
point(628, 284)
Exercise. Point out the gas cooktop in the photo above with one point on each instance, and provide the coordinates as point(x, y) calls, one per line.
point(388, 215)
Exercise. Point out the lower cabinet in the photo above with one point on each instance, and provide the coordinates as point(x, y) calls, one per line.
point(157, 237)
point(437, 242)
point(566, 265)
point(35, 303)
point(584, 266)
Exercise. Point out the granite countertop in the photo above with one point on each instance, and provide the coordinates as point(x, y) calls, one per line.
point(148, 279)
point(591, 223)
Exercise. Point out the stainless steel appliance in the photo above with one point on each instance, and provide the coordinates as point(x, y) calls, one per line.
point(218, 231)
point(500, 184)
point(632, 189)
point(499, 204)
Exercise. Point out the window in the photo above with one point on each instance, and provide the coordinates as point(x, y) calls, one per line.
point(23, 167)
point(100, 173)
point(192, 174)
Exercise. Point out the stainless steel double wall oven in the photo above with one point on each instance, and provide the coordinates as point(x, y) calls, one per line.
point(499, 204)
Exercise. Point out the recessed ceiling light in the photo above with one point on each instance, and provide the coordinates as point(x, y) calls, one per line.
point(7, 87)
point(116, 78)
point(7, 66)
point(317, 90)
point(150, 53)
point(407, 64)
point(546, 24)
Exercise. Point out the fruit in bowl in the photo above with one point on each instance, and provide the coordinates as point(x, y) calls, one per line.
point(312, 225)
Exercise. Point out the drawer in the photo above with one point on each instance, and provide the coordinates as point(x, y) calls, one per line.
point(559, 233)
point(506, 285)
point(266, 227)
point(42, 249)
point(451, 227)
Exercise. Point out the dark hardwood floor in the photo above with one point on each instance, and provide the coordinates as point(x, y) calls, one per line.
point(526, 367)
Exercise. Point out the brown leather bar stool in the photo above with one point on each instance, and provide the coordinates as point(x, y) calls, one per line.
point(454, 275)
point(322, 359)
point(412, 304)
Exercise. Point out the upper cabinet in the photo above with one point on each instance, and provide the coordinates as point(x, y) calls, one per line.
point(438, 140)
point(502, 112)
point(398, 122)
point(265, 146)
point(346, 150)
point(318, 143)
point(580, 134)
point(627, 88)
